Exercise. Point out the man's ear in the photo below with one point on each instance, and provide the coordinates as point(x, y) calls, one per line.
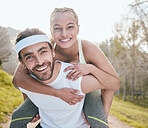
point(21, 61)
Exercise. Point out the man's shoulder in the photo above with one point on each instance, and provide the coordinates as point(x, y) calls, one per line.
point(64, 64)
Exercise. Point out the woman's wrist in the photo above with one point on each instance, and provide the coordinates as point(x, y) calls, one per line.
point(92, 69)
point(56, 92)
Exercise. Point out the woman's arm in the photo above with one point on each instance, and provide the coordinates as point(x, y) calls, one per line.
point(24, 80)
point(99, 66)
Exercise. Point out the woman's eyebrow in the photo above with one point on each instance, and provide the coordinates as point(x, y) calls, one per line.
point(55, 25)
point(70, 23)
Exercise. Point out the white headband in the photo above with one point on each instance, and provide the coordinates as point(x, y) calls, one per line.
point(30, 41)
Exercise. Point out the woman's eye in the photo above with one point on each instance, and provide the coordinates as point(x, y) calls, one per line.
point(57, 28)
point(70, 26)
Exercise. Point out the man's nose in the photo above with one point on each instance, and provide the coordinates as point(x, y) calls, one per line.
point(39, 60)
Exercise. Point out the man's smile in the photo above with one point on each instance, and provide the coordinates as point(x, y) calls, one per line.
point(42, 68)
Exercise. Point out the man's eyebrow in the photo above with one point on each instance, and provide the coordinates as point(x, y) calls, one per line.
point(41, 49)
point(30, 53)
point(26, 54)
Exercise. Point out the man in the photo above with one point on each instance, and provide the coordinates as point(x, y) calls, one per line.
point(37, 55)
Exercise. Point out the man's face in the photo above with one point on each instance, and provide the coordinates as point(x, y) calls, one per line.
point(38, 59)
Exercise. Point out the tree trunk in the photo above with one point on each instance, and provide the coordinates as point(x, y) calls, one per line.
point(125, 85)
point(133, 81)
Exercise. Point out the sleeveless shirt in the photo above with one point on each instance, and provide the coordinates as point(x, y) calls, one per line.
point(54, 112)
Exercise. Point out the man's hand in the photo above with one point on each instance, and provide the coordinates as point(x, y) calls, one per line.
point(35, 118)
point(69, 95)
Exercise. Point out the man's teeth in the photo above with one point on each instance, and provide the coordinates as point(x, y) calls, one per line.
point(40, 69)
point(65, 40)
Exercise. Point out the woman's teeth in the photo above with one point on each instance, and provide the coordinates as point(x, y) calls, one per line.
point(65, 40)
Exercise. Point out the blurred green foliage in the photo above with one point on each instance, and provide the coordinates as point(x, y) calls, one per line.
point(10, 97)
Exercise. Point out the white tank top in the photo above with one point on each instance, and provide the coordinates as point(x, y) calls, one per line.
point(54, 112)
point(81, 55)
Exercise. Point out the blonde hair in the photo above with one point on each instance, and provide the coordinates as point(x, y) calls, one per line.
point(63, 10)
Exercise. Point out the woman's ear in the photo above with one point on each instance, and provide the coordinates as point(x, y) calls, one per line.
point(52, 41)
point(53, 52)
point(78, 29)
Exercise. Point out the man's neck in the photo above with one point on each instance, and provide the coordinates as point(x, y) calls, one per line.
point(56, 71)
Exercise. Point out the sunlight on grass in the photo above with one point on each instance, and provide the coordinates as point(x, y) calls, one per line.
point(10, 97)
point(132, 114)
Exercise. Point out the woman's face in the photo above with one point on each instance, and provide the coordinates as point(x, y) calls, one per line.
point(64, 29)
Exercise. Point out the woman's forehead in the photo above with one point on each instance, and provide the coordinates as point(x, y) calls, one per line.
point(60, 17)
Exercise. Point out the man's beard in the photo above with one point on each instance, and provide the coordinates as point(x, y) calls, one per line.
point(44, 76)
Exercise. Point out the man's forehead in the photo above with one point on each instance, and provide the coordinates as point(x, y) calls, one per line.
point(31, 40)
point(35, 47)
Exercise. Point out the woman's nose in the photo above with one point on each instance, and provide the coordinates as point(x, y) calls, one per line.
point(64, 33)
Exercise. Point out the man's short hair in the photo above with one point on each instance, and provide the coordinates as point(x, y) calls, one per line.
point(26, 33)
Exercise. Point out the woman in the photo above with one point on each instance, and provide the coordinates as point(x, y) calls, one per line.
point(64, 29)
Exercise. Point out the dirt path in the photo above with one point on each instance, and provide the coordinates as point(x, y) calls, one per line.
point(6, 125)
point(113, 123)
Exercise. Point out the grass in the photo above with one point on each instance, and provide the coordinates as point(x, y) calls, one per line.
point(10, 97)
point(131, 113)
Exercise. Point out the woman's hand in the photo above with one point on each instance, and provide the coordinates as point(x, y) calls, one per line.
point(69, 95)
point(78, 70)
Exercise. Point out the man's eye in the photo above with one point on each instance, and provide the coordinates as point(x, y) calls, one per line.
point(28, 57)
point(43, 52)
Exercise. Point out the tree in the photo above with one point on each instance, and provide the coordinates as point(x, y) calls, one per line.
point(126, 50)
point(139, 9)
